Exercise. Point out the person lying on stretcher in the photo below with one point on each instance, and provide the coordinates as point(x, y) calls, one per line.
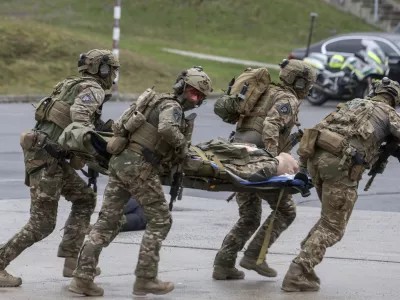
point(215, 157)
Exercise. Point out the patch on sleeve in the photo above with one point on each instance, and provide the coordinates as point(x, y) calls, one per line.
point(177, 114)
point(87, 98)
point(285, 109)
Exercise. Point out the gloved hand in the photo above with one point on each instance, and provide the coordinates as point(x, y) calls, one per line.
point(258, 176)
point(302, 174)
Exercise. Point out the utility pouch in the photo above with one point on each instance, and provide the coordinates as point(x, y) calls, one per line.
point(331, 142)
point(117, 144)
point(135, 121)
point(307, 143)
point(41, 109)
point(28, 139)
point(77, 162)
point(355, 172)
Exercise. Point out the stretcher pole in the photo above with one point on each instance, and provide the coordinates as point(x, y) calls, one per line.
point(264, 248)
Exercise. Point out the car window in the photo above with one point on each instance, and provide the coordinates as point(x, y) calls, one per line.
point(347, 45)
point(386, 48)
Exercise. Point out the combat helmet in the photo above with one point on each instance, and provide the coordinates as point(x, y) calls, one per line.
point(101, 63)
point(297, 74)
point(386, 86)
point(196, 78)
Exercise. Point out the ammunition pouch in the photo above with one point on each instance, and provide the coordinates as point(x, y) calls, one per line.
point(57, 112)
point(307, 143)
point(136, 120)
point(30, 140)
point(330, 141)
point(77, 162)
point(117, 144)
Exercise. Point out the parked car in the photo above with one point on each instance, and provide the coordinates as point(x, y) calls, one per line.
point(348, 44)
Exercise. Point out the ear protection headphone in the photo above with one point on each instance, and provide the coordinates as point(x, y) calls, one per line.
point(180, 83)
point(300, 82)
point(81, 60)
point(104, 68)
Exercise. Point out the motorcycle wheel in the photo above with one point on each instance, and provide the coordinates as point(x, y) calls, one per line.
point(317, 98)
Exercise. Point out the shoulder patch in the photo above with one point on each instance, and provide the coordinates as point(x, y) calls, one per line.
point(285, 109)
point(87, 98)
point(177, 114)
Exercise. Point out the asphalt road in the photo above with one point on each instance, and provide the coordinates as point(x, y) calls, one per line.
point(15, 118)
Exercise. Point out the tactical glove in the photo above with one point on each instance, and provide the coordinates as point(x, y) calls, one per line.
point(302, 174)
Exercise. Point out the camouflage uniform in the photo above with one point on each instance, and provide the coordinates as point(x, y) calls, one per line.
point(280, 105)
point(362, 125)
point(50, 177)
point(134, 174)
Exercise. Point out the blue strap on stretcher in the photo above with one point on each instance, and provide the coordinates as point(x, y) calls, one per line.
point(274, 181)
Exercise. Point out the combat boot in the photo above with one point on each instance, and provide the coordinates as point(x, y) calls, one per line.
point(296, 280)
point(70, 265)
point(224, 273)
point(85, 287)
point(144, 286)
point(7, 280)
point(263, 269)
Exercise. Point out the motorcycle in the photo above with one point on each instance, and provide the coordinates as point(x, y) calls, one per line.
point(346, 78)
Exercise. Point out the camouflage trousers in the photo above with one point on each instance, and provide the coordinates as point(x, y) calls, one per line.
point(127, 178)
point(338, 195)
point(250, 217)
point(45, 190)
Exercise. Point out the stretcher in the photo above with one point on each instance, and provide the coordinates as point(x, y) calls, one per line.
point(233, 183)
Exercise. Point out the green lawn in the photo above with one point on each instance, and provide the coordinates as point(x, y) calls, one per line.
point(41, 40)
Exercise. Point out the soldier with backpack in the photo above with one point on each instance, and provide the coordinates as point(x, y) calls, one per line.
point(151, 134)
point(265, 114)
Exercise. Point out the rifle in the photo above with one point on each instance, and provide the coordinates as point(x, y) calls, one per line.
point(176, 185)
point(99, 124)
point(390, 148)
point(92, 178)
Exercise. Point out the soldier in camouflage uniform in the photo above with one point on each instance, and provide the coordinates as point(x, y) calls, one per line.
point(336, 152)
point(49, 174)
point(135, 171)
point(274, 116)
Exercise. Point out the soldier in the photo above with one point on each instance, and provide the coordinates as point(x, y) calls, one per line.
point(156, 139)
point(269, 127)
point(336, 152)
point(49, 174)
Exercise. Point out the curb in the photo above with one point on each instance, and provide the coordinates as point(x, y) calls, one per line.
point(117, 97)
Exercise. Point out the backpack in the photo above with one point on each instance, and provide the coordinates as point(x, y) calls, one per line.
point(242, 95)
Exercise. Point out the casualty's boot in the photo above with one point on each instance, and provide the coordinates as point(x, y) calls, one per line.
point(296, 280)
point(70, 265)
point(263, 269)
point(85, 287)
point(144, 286)
point(225, 273)
point(7, 280)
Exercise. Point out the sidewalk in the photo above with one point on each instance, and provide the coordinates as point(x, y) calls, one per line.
point(364, 265)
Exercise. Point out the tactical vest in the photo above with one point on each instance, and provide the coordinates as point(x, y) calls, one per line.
point(352, 121)
point(146, 134)
point(255, 119)
point(56, 107)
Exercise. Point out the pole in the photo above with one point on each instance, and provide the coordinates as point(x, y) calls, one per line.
point(376, 11)
point(313, 15)
point(116, 35)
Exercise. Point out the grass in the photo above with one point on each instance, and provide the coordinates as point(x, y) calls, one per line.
point(41, 40)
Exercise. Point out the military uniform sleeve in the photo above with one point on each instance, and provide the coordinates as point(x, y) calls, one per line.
point(85, 105)
point(394, 123)
point(280, 115)
point(170, 119)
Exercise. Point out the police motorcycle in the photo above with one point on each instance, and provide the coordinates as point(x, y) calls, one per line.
point(341, 78)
